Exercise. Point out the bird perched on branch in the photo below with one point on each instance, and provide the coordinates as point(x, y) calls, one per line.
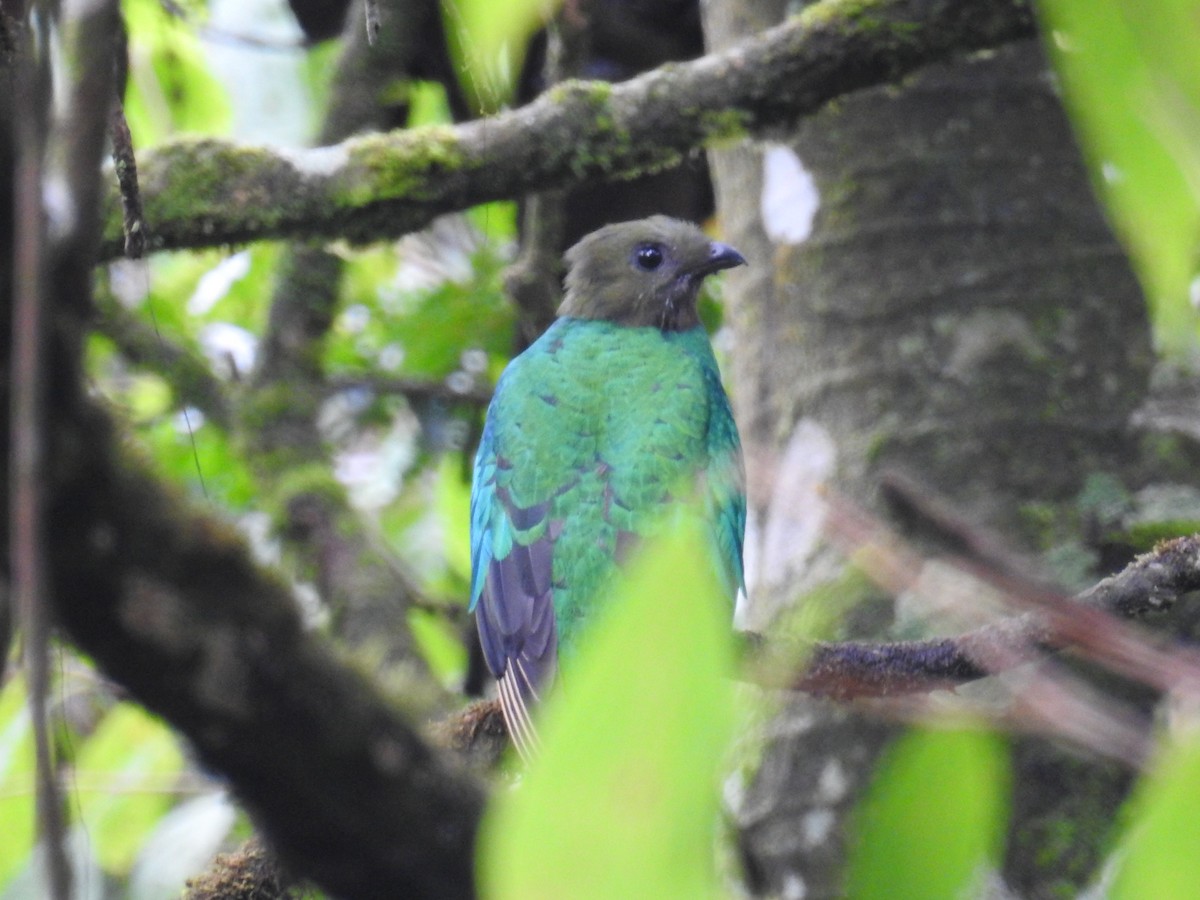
point(595, 431)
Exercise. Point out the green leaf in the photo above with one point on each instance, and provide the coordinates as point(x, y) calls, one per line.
point(124, 781)
point(17, 803)
point(1131, 76)
point(454, 511)
point(623, 800)
point(423, 330)
point(1159, 857)
point(487, 44)
point(170, 87)
point(934, 816)
point(439, 643)
point(147, 398)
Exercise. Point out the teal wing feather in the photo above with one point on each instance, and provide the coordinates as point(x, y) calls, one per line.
point(511, 557)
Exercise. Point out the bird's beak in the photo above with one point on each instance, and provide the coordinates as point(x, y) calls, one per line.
point(722, 256)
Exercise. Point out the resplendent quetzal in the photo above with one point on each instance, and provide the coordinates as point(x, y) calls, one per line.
point(593, 433)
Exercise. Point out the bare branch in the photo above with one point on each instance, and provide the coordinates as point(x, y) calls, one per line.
point(1150, 583)
point(412, 388)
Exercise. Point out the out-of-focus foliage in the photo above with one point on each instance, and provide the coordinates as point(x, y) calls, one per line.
point(1131, 78)
point(419, 310)
point(487, 43)
point(16, 779)
point(1158, 856)
point(124, 771)
point(122, 781)
point(934, 818)
point(623, 800)
point(171, 88)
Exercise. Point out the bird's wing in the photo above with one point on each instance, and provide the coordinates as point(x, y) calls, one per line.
point(725, 486)
point(511, 565)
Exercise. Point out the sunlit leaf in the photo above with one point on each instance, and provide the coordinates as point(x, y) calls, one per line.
point(454, 509)
point(622, 802)
point(170, 88)
point(487, 43)
point(439, 643)
point(124, 778)
point(17, 802)
point(1131, 76)
point(427, 104)
point(933, 819)
point(147, 397)
point(1158, 857)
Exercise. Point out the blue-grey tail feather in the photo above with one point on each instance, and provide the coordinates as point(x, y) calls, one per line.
point(515, 617)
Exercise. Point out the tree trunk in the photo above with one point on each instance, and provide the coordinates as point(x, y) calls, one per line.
point(960, 312)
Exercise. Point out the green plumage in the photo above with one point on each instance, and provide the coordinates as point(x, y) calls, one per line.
point(596, 435)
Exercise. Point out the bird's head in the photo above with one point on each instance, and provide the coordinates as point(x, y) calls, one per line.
point(646, 272)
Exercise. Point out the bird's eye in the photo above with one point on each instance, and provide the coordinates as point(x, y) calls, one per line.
point(648, 257)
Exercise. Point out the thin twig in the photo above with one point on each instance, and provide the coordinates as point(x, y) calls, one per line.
point(413, 388)
point(125, 165)
point(28, 424)
point(371, 17)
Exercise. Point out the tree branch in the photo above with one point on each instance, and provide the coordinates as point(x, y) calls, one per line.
point(848, 670)
point(414, 389)
point(171, 606)
point(208, 193)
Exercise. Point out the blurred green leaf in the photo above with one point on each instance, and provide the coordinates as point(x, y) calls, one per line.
point(933, 818)
point(454, 509)
point(147, 397)
point(1159, 857)
point(427, 104)
point(401, 329)
point(623, 800)
point(125, 774)
point(170, 88)
point(16, 780)
point(1131, 75)
point(440, 644)
point(205, 453)
point(487, 44)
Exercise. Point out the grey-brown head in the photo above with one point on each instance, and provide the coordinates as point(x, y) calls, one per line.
point(645, 272)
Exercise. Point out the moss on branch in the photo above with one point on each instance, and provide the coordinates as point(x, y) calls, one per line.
point(207, 193)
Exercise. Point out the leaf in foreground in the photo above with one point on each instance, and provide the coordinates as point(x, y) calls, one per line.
point(623, 800)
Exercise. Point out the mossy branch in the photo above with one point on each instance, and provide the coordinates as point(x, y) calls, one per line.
point(207, 193)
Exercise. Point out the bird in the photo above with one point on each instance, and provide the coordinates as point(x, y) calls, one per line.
point(600, 427)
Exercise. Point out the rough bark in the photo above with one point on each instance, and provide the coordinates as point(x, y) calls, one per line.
point(960, 312)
